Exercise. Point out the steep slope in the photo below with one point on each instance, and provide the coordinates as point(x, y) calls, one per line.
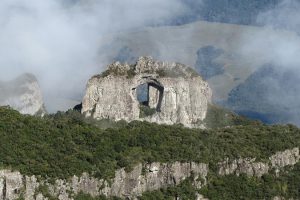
point(151, 177)
point(22, 94)
point(61, 156)
point(161, 92)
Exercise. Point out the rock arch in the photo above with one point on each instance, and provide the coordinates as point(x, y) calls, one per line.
point(143, 92)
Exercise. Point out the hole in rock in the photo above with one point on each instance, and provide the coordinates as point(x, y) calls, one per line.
point(150, 94)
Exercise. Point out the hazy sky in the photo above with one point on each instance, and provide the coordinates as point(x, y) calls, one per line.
point(59, 42)
point(282, 52)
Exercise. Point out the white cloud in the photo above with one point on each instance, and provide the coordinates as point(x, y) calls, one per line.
point(59, 42)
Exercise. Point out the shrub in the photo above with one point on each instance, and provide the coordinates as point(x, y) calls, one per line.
point(146, 111)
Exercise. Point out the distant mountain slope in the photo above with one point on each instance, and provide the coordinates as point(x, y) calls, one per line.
point(225, 11)
point(186, 44)
point(269, 94)
point(225, 54)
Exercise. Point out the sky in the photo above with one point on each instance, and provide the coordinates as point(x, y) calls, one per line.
point(58, 40)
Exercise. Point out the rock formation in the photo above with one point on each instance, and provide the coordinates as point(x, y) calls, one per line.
point(161, 92)
point(130, 185)
point(243, 166)
point(229, 56)
point(250, 167)
point(285, 158)
point(22, 94)
point(125, 184)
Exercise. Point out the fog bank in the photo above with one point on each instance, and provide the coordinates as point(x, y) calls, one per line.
point(58, 40)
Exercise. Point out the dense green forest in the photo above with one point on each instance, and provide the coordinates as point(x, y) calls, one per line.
point(66, 144)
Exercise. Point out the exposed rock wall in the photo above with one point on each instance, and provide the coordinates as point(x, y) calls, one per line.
point(243, 166)
point(285, 158)
point(252, 168)
point(11, 184)
point(113, 94)
point(23, 94)
point(132, 184)
point(125, 184)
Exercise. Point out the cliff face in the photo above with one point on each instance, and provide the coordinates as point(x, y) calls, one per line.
point(153, 91)
point(130, 185)
point(250, 167)
point(125, 184)
point(22, 94)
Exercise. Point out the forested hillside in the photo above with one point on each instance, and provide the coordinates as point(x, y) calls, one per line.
point(66, 144)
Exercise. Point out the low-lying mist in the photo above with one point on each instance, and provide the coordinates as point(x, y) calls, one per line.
point(279, 86)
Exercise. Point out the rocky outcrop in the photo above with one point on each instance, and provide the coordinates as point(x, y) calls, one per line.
point(130, 185)
point(281, 198)
point(285, 158)
point(11, 184)
point(23, 94)
point(161, 92)
point(243, 166)
point(125, 184)
point(250, 167)
point(200, 197)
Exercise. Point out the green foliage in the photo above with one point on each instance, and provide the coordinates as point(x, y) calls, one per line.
point(286, 185)
point(146, 111)
point(177, 71)
point(116, 71)
point(218, 117)
point(65, 144)
point(131, 72)
point(44, 190)
point(82, 196)
point(161, 73)
point(184, 191)
point(102, 123)
point(232, 187)
point(174, 72)
point(104, 74)
point(21, 197)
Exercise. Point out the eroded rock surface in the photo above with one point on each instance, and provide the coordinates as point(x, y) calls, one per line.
point(250, 167)
point(130, 185)
point(161, 92)
point(243, 166)
point(125, 184)
point(285, 158)
point(23, 94)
